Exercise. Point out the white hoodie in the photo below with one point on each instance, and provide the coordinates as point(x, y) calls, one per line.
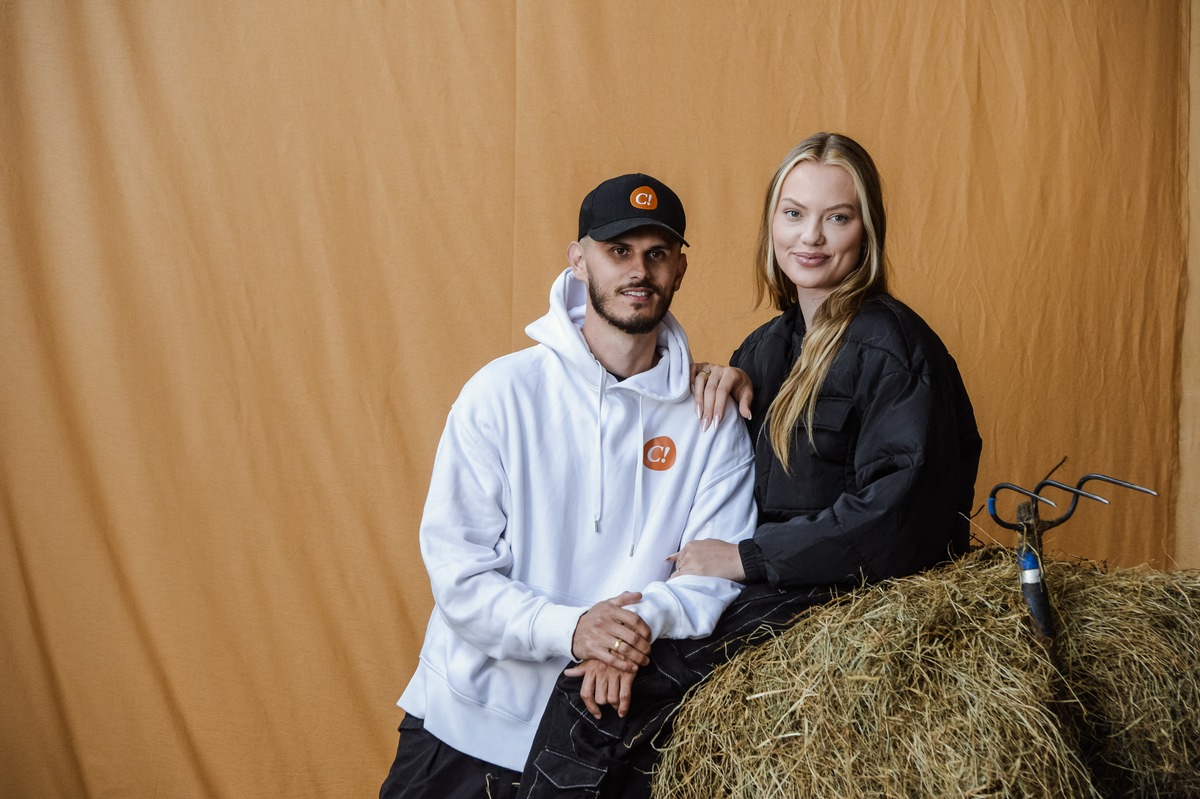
point(555, 487)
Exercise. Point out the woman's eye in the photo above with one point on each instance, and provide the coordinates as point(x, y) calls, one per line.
point(839, 218)
point(792, 213)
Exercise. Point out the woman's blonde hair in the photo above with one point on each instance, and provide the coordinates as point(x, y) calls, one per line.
point(798, 396)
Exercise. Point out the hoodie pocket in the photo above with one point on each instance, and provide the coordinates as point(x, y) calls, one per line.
point(515, 688)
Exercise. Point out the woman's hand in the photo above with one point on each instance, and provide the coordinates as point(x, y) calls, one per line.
point(713, 384)
point(709, 557)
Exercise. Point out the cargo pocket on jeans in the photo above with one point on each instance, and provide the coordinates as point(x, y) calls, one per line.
point(568, 774)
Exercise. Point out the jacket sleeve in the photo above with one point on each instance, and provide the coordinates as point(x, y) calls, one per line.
point(690, 605)
point(860, 535)
point(468, 558)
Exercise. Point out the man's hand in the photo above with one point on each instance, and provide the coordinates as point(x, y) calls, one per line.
point(712, 385)
point(613, 635)
point(603, 685)
point(709, 557)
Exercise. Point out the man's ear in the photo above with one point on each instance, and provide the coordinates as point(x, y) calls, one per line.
point(575, 257)
point(682, 269)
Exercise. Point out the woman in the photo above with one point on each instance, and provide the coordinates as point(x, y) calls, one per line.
point(866, 454)
point(865, 439)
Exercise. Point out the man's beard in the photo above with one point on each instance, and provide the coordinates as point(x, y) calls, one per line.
point(640, 323)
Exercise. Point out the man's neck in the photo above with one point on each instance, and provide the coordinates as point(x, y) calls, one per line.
point(622, 354)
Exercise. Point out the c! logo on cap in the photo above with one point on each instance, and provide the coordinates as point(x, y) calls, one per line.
point(659, 454)
point(644, 197)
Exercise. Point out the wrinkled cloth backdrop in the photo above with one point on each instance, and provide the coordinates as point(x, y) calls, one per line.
point(249, 252)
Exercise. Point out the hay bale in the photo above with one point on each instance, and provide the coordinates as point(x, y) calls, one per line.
point(1130, 652)
point(934, 686)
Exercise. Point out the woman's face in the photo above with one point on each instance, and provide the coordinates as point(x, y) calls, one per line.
point(817, 229)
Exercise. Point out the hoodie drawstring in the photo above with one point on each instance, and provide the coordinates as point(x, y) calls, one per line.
point(637, 484)
point(598, 502)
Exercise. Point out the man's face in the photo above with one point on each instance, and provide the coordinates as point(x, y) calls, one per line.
point(632, 278)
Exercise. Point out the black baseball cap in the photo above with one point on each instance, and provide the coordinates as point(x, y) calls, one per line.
point(629, 201)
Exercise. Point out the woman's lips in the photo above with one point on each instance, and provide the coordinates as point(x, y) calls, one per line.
point(810, 258)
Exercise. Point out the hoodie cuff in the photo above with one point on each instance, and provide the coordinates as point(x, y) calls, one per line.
point(554, 629)
point(753, 562)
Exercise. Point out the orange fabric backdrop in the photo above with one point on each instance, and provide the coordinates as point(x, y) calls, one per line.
point(249, 252)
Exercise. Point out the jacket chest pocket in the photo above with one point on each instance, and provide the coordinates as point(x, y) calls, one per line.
point(834, 430)
point(817, 477)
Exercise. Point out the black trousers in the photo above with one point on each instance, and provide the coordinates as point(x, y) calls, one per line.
point(427, 768)
point(576, 756)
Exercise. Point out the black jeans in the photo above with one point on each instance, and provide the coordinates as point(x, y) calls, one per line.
point(576, 756)
point(426, 768)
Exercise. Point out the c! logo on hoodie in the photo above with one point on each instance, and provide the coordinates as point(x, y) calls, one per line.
point(659, 454)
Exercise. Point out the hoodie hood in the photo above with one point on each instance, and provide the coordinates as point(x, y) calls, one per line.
point(561, 329)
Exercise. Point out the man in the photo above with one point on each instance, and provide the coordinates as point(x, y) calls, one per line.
point(567, 474)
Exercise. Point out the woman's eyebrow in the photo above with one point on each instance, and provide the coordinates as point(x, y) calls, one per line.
point(850, 206)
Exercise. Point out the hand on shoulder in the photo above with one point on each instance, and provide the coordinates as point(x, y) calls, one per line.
point(713, 385)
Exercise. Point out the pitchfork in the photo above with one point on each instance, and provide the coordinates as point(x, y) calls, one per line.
point(1032, 526)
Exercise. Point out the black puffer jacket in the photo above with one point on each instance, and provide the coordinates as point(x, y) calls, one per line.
point(897, 451)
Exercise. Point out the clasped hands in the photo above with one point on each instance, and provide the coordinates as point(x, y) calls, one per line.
point(610, 642)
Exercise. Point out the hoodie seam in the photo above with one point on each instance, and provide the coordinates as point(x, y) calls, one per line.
point(740, 465)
